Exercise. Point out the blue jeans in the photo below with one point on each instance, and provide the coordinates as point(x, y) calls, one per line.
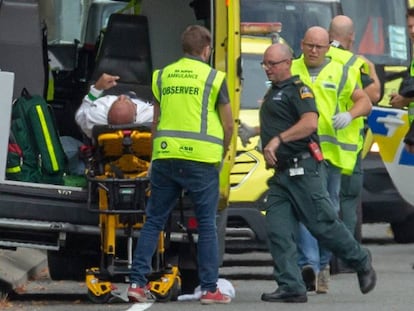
point(168, 178)
point(71, 147)
point(308, 247)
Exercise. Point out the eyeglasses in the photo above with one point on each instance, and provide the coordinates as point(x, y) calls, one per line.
point(271, 64)
point(311, 46)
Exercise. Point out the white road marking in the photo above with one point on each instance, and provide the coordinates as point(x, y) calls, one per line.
point(141, 306)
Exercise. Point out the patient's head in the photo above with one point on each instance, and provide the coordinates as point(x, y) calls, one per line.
point(122, 111)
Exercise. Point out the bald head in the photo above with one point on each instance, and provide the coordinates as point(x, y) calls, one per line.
point(277, 60)
point(342, 29)
point(279, 49)
point(122, 111)
point(317, 33)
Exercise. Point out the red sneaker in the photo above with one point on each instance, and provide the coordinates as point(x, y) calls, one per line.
point(139, 294)
point(216, 297)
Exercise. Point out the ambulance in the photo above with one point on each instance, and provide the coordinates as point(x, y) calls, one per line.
point(58, 63)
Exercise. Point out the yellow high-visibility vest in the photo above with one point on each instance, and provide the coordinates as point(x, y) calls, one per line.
point(331, 85)
point(189, 126)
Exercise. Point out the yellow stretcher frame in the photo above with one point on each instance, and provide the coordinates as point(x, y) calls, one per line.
point(119, 176)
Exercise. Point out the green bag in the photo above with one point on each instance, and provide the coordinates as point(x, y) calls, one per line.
point(34, 130)
point(14, 159)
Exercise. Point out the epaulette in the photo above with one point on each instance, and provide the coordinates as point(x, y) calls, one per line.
point(298, 82)
point(304, 90)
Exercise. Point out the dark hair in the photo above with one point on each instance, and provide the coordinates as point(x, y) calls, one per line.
point(410, 12)
point(194, 39)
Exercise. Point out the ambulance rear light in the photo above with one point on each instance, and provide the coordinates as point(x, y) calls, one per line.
point(256, 29)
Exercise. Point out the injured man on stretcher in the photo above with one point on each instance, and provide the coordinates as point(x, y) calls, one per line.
point(100, 109)
point(110, 109)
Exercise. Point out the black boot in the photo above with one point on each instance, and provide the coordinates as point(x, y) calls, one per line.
point(284, 296)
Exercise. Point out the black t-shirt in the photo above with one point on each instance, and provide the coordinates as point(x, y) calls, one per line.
point(283, 105)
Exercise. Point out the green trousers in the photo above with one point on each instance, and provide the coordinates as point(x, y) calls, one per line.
point(304, 198)
point(350, 195)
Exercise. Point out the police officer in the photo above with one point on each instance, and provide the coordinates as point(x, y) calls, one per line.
point(405, 98)
point(192, 129)
point(288, 124)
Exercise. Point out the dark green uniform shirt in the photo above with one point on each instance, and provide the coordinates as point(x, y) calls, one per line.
point(282, 107)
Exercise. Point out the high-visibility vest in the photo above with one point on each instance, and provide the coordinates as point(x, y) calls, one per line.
point(189, 126)
point(349, 59)
point(355, 130)
point(331, 86)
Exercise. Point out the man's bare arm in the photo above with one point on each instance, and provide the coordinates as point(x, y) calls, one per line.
point(226, 117)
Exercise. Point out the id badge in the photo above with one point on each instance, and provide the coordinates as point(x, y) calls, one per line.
point(296, 171)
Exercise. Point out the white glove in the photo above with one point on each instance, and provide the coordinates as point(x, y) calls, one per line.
point(245, 133)
point(341, 120)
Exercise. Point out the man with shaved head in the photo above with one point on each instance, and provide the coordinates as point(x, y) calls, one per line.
point(297, 190)
point(335, 87)
point(342, 37)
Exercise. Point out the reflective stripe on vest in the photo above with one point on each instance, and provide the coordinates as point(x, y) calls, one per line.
point(354, 132)
point(194, 86)
point(202, 135)
point(338, 150)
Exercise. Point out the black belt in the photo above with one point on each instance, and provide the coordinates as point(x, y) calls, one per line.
point(283, 165)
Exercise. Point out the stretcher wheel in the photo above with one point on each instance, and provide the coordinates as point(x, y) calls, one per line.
point(172, 294)
point(99, 299)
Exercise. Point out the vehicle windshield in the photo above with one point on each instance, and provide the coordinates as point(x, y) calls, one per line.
point(296, 16)
point(254, 81)
point(380, 30)
point(66, 20)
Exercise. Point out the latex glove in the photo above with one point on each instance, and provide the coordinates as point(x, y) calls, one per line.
point(245, 133)
point(341, 120)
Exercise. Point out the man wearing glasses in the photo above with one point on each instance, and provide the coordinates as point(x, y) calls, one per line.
point(297, 190)
point(335, 86)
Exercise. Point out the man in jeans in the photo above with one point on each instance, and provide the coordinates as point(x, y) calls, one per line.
point(192, 129)
point(340, 101)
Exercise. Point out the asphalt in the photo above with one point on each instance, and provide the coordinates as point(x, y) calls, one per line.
point(19, 266)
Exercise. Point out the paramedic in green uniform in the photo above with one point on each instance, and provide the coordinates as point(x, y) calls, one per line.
point(288, 124)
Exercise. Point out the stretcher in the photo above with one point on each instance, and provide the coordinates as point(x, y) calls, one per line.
point(118, 179)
